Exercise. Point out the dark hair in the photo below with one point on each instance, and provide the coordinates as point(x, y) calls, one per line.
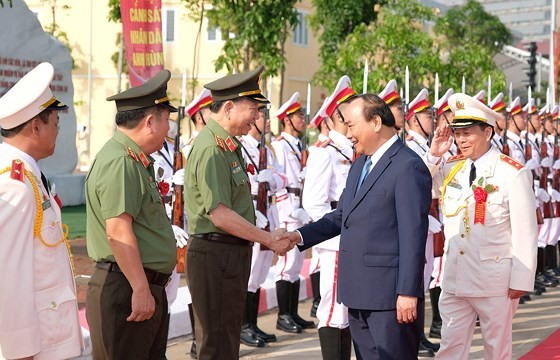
point(374, 105)
point(129, 119)
point(43, 116)
point(215, 106)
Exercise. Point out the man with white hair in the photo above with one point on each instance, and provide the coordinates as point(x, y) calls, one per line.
point(38, 306)
point(490, 229)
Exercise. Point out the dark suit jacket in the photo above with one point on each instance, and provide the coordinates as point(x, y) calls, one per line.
point(383, 231)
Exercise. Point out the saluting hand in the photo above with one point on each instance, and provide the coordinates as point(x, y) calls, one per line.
point(143, 305)
point(441, 141)
point(406, 309)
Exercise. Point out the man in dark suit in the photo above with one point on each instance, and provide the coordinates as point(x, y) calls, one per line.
point(382, 217)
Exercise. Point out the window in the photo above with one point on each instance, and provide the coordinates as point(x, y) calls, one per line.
point(299, 34)
point(169, 25)
point(214, 34)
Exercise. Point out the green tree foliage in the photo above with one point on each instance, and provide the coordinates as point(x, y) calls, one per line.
point(470, 23)
point(404, 35)
point(334, 20)
point(396, 40)
point(54, 29)
point(114, 11)
point(258, 30)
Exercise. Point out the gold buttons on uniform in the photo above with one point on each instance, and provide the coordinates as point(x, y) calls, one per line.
point(53, 304)
point(462, 235)
point(53, 223)
point(462, 252)
point(497, 258)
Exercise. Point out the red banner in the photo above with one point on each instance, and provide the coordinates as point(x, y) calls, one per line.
point(143, 38)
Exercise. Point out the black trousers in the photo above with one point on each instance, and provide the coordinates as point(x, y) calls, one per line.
point(108, 304)
point(217, 275)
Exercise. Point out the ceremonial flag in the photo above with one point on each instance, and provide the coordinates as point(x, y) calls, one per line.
point(143, 36)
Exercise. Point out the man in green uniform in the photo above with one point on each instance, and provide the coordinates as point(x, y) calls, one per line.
point(221, 217)
point(129, 235)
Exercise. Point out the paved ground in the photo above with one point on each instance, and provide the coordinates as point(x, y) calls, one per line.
point(534, 322)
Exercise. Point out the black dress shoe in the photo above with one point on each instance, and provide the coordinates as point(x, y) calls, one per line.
point(267, 338)
point(302, 322)
point(551, 278)
point(287, 324)
point(435, 331)
point(552, 273)
point(526, 297)
point(428, 344)
point(543, 281)
point(250, 338)
point(193, 351)
point(424, 351)
point(521, 301)
point(314, 307)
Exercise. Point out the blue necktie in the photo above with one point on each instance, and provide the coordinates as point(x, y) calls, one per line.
point(365, 172)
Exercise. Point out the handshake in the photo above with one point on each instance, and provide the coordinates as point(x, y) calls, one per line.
point(281, 241)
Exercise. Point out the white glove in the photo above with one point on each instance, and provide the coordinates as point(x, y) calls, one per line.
point(180, 236)
point(262, 221)
point(264, 176)
point(179, 177)
point(542, 195)
point(546, 162)
point(556, 165)
point(555, 195)
point(302, 174)
point(531, 164)
point(301, 215)
point(434, 225)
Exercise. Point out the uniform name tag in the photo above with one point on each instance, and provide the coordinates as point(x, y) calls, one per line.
point(46, 205)
point(455, 185)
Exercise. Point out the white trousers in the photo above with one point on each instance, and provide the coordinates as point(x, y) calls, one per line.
point(315, 263)
point(330, 313)
point(260, 265)
point(544, 233)
point(459, 318)
point(289, 266)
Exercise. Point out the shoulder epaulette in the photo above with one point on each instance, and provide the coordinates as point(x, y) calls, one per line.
point(456, 158)
point(279, 138)
point(220, 142)
point(18, 170)
point(510, 161)
point(324, 143)
point(171, 140)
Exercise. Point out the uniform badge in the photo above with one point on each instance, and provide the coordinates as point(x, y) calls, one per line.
point(131, 154)
point(220, 142)
point(235, 167)
point(455, 184)
point(18, 170)
point(46, 205)
point(144, 159)
point(459, 105)
point(230, 144)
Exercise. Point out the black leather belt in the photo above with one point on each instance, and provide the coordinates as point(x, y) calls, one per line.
point(295, 191)
point(223, 238)
point(334, 205)
point(154, 277)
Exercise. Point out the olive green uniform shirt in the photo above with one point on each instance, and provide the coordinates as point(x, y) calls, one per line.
point(214, 174)
point(121, 180)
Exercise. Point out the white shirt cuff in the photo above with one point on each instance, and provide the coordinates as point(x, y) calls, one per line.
point(300, 243)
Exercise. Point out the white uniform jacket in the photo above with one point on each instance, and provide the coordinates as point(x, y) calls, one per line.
point(288, 153)
point(38, 306)
point(327, 169)
point(483, 260)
